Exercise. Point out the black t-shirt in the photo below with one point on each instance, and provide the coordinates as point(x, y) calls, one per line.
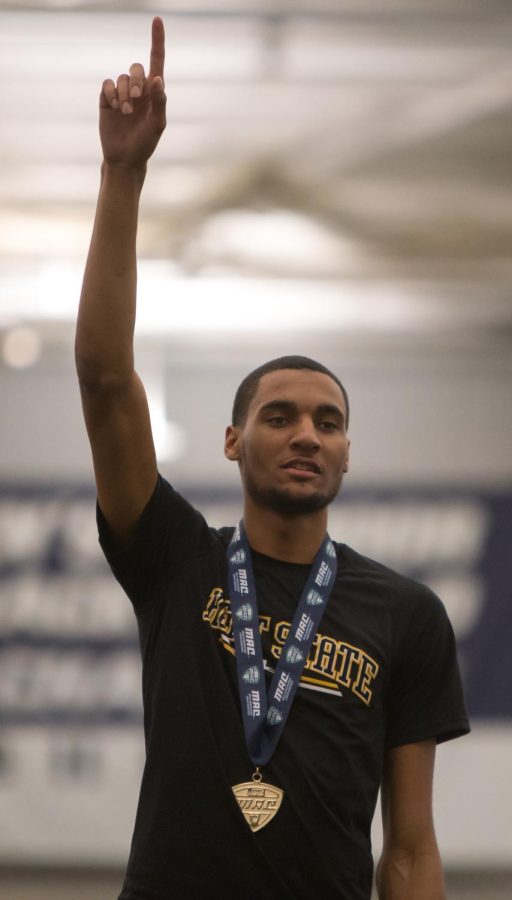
point(382, 671)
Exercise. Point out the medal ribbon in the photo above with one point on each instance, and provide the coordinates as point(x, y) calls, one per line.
point(264, 719)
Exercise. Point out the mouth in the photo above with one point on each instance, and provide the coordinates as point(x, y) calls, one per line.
point(302, 466)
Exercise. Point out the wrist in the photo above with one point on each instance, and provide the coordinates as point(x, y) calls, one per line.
point(127, 173)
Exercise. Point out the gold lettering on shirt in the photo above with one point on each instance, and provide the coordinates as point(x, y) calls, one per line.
point(348, 666)
point(218, 614)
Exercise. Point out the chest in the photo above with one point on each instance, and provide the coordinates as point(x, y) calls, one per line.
point(350, 653)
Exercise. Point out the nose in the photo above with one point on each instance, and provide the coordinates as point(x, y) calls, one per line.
point(305, 435)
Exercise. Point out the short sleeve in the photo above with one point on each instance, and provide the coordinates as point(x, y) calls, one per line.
point(169, 528)
point(426, 698)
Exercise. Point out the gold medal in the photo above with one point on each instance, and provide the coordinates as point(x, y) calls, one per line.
point(258, 801)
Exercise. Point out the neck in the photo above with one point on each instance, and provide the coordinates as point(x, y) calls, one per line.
point(289, 538)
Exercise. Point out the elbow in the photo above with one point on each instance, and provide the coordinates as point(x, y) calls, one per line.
point(416, 873)
point(97, 375)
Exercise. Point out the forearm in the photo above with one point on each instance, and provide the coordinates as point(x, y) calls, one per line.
point(415, 875)
point(106, 319)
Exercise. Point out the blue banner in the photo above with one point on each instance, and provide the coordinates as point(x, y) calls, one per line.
point(68, 645)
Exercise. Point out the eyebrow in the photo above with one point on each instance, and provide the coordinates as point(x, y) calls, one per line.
point(324, 409)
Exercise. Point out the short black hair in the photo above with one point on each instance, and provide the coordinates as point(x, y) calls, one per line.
point(248, 387)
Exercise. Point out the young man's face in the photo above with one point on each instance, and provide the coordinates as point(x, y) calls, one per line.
point(293, 448)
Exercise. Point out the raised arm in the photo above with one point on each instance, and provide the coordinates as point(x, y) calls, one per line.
point(410, 866)
point(132, 119)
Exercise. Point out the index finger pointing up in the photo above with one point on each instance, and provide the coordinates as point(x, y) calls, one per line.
point(157, 57)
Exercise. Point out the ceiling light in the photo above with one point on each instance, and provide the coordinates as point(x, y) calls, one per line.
point(278, 238)
point(21, 347)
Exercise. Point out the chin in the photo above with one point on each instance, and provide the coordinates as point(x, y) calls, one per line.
point(288, 503)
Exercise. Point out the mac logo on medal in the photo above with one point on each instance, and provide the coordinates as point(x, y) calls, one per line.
point(258, 802)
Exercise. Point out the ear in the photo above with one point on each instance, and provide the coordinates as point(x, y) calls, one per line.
point(231, 443)
point(347, 460)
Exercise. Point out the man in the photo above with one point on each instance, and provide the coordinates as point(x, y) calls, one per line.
point(257, 785)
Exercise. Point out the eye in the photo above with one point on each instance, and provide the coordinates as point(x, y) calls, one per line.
point(277, 421)
point(329, 426)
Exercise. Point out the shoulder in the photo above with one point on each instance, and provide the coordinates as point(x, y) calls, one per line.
point(405, 599)
point(379, 577)
point(168, 522)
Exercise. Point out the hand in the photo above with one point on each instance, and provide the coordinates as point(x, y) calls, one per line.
point(132, 113)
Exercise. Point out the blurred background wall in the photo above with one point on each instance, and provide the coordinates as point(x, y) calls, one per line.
point(335, 180)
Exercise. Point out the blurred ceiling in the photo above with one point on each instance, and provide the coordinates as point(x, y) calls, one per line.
point(354, 155)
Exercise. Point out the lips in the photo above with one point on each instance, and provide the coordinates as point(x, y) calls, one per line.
point(302, 464)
